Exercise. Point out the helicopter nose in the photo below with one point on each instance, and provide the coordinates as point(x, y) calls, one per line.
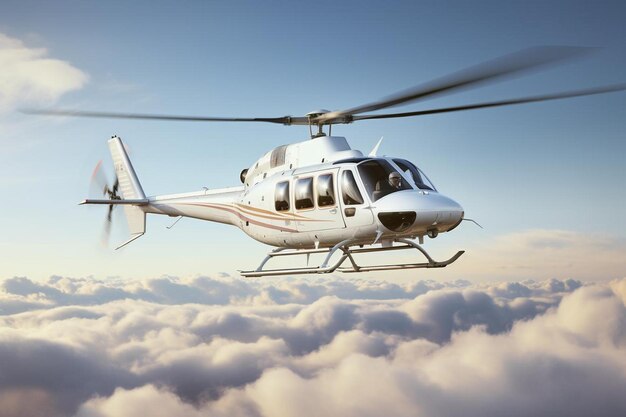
point(418, 212)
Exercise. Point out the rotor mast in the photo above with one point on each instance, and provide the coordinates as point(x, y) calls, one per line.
point(313, 118)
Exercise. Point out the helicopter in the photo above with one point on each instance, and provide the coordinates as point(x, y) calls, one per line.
point(320, 196)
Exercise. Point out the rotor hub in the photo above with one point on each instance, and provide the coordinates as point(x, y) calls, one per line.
point(316, 113)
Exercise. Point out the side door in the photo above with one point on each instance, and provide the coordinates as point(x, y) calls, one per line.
point(316, 201)
point(355, 209)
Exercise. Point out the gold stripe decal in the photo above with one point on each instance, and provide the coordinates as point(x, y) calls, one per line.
point(233, 210)
point(245, 211)
point(283, 215)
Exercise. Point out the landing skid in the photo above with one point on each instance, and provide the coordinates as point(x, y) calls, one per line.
point(346, 254)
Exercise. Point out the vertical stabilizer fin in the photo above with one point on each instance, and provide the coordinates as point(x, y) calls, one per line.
point(130, 188)
point(129, 183)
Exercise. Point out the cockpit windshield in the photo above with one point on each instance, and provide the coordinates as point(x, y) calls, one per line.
point(420, 180)
point(381, 179)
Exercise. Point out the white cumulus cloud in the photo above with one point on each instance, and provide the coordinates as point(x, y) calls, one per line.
point(232, 347)
point(29, 76)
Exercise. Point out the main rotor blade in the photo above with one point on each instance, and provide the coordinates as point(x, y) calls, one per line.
point(499, 68)
point(286, 120)
point(532, 99)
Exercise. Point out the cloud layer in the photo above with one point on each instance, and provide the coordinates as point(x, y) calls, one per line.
point(226, 346)
point(543, 254)
point(28, 76)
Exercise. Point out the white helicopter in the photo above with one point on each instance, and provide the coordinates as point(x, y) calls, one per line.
point(319, 196)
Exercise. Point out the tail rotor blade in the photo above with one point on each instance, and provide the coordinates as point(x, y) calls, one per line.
point(116, 186)
point(108, 223)
point(99, 180)
point(110, 213)
point(106, 231)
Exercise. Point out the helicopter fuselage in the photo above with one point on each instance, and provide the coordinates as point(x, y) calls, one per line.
point(320, 192)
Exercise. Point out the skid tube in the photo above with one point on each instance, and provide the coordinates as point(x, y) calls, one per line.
point(346, 253)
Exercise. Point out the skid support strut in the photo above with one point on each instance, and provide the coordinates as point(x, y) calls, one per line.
point(347, 252)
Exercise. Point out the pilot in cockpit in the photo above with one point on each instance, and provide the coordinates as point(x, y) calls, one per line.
point(395, 180)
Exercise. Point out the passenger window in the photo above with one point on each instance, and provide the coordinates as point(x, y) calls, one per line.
point(325, 190)
point(349, 189)
point(304, 193)
point(281, 196)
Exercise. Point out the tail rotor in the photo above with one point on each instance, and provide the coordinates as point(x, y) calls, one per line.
point(125, 191)
point(100, 183)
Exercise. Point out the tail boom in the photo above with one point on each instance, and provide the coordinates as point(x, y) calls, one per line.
point(218, 205)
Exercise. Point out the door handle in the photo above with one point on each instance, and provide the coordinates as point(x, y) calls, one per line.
point(333, 211)
point(350, 211)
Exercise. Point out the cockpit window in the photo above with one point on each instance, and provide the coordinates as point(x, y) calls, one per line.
point(349, 189)
point(419, 179)
point(381, 179)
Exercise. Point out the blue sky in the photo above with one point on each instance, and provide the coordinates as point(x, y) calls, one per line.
point(537, 176)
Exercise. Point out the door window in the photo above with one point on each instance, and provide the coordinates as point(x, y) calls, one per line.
point(325, 190)
point(380, 178)
point(418, 177)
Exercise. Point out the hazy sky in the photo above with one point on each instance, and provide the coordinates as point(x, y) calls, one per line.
point(156, 329)
point(545, 180)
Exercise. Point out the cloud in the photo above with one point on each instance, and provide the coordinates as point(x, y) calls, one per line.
point(544, 254)
point(227, 346)
point(57, 374)
point(29, 77)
